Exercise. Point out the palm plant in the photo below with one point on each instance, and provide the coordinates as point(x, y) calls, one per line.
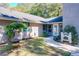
point(9, 29)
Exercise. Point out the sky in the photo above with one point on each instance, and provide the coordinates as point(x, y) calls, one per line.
point(12, 4)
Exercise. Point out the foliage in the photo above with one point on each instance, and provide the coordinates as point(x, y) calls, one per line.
point(36, 42)
point(61, 51)
point(74, 33)
point(36, 45)
point(65, 53)
point(6, 48)
point(9, 29)
point(57, 38)
point(17, 25)
point(45, 34)
point(45, 10)
point(28, 47)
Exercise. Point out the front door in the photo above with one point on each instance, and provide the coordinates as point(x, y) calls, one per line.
point(47, 29)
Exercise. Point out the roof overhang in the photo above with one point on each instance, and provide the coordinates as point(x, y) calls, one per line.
point(12, 15)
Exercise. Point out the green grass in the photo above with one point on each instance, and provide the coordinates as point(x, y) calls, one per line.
point(6, 48)
point(36, 46)
point(62, 52)
point(65, 53)
point(33, 47)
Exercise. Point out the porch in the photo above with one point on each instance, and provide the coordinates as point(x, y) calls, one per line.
point(53, 26)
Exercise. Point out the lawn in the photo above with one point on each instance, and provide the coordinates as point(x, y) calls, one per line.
point(31, 47)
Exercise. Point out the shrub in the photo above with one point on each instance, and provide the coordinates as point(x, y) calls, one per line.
point(65, 53)
point(57, 38)
point(74, 33)
point(45, 34)
point(6, 48)
point(10, 30)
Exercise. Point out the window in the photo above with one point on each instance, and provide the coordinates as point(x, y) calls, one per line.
point(44, 27)
point(49, 28)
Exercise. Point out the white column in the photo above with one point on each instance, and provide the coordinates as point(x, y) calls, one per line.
point(62, 36)
point(70, 38)
point(55, 29)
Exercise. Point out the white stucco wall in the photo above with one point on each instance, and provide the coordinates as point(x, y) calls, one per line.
point(3, 23)
point(71, 15)
point(37, 29)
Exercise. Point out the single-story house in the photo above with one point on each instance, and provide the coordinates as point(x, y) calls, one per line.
point(42, 26)
point(39, 26)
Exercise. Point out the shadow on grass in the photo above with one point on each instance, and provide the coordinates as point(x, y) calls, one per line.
point(38, 47)
point(35, 46)
point(62, 52)
point(37, 50)
point(5, 50)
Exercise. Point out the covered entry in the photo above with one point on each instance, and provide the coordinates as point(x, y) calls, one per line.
point(54, 26)
point(47, 29)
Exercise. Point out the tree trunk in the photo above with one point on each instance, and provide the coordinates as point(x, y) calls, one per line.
point(9, 42)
